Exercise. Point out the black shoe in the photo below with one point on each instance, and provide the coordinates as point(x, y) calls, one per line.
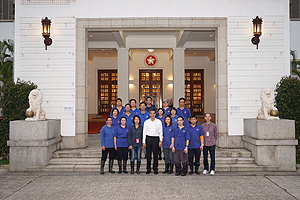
point(166, 168)
point(196, 170)
point(177, 174)
point(155, 172)
point(183, 174)
point(171, 169)
point(120, 166)
point(145, 157)
point(111, 163)
point(192, 170)
point(132, 167)
point(138, 167)
point(102, 167)
point(159, 158)
point(124, 167)
point(148, 172)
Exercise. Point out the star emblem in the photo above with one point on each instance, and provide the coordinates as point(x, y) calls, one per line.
point(150, 60)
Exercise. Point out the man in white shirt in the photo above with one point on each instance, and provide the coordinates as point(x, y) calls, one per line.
point(152, 138)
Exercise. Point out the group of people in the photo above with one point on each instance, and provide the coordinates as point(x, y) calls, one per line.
point(175, 130)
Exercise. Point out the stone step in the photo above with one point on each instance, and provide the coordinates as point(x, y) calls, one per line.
point(96, 161)
point(96, 153)
point(96, 168)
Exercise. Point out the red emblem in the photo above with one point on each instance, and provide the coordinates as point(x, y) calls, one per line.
point(184, 131)
point(184, 111)
point(169, 129)
point(150, 60)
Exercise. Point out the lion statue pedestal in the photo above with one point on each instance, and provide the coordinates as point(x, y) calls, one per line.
point(267, 105)
point(35, 105)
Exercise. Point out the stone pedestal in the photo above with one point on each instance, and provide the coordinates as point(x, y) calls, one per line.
point(32, 143)
point(272, 142)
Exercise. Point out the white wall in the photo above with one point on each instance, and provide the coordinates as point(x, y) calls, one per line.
point(249, 69)
point(295, 37)
point(7, 30)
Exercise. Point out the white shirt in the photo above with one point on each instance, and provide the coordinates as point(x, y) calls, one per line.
point(152, 128)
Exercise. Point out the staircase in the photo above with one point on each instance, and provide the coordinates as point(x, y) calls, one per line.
point(88, 159)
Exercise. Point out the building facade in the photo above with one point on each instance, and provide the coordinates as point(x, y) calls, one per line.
point(202, 50)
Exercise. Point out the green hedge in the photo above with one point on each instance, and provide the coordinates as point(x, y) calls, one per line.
point(14, 102)
point(287, 101)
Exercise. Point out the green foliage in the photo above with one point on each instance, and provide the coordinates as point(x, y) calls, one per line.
point(287, 101)
point(14, 104)
point(4, 162)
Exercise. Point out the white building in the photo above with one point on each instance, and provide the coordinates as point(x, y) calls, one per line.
point(97, 39)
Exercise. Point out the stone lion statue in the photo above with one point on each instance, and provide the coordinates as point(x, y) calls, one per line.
point(267, 104)
point(35, 102)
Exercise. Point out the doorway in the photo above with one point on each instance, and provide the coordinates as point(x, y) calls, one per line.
point(150, 82)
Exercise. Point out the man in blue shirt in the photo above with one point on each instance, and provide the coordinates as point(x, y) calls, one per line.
point(149, 104)
point(128, 115)
point(144, 114)
point(183, 111)
point(196, 144)
point(107, 142)
point(120, 108)
point(180, 143)
point(167, 109)
point(134, 110)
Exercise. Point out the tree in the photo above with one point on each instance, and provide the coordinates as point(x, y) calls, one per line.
point(295, 63)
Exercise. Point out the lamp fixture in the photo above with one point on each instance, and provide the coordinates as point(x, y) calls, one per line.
point(46, 23)
point(150, 50)
point(256, 30)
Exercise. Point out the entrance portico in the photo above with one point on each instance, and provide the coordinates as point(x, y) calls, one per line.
point(83, 26)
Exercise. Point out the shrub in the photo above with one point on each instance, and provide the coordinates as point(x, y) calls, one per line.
point(287, 101)
point(14, 102)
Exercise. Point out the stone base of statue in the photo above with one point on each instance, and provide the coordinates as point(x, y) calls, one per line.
point(33, 143)
point(272, 142)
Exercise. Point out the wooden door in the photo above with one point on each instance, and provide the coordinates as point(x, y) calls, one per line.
point(151, 85)
point(107, 90)
point(194, 91)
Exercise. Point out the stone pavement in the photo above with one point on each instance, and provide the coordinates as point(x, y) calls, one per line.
point(84, 185)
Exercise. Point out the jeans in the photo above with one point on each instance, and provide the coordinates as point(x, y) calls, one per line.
point(197, 153)
point(211, 150)
point(169, 156)
point(181, 158)
point(138, 151)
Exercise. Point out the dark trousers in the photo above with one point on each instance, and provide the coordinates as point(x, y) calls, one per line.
point(122, 153)
point(152, 146)
point(197, 153)
point(111, 152)
point(211, 150)
point(181, 158)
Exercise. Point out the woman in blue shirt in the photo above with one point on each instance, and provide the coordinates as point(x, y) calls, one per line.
point(115, 117)
point(107, 142)
point(167, 141)
point(135, 142)
point(121, 144)
point(174, 116)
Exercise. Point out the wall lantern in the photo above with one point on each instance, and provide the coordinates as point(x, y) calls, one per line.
point(256, 30)
point(46, 23)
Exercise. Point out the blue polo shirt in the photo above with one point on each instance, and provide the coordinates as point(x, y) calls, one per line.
point(185, 113)
point(181, 136)
point(152, 106)
point(121, 112)
point(174, 120)
point(167, 111)
point(121, 134)
point(144, 117)
point(135, 112)
point(107, 136)
point(115, 121)
point(161, 119)
point(129, 119)
point(167, 132)
point(195, 134)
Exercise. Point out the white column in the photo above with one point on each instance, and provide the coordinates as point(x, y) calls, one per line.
point(123, 74)
point(178, 74)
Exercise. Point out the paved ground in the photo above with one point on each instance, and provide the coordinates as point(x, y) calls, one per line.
point(62, 185)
